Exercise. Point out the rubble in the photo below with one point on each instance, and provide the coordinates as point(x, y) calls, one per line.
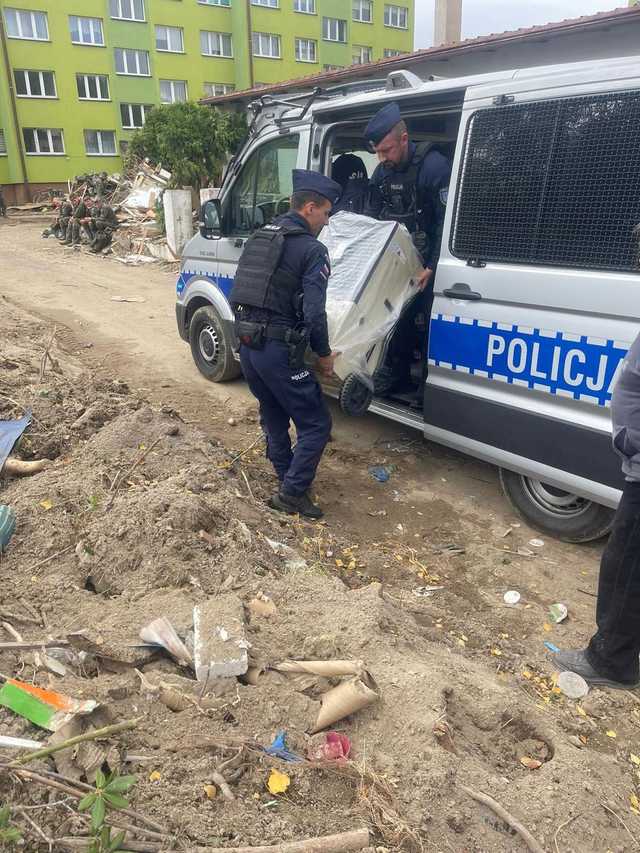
point(219, 641)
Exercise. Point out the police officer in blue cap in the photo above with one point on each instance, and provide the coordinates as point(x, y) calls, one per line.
point(278, 296)
point(409, 185)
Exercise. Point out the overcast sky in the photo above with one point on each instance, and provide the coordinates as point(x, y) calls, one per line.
point(481, 17)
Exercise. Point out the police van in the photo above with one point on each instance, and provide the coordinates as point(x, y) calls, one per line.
point(537, 291)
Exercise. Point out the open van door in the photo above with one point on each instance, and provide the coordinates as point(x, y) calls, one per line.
point(537, 292)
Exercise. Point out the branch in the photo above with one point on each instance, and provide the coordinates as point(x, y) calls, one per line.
point(96, 734)
point(508, 818)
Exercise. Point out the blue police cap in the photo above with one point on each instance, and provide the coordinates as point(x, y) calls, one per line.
point(303, 179)
point(382, 122)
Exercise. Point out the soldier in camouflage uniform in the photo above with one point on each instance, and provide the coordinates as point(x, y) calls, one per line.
point(106, 224)
point(62, 222)
point(80, 212)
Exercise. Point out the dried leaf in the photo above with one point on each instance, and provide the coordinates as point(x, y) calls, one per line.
point(526, 674)
point(611, 733)
point(547, 627)
point(278, 782)
point(635, 759)
point(581, 711)
point(155, 776)
point(635, 804)
point(530, 763)
point(46, 504)
point(211, 791)
point(496, 653)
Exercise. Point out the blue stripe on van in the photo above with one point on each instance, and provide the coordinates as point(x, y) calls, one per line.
point(224, 282)
point(554, 362)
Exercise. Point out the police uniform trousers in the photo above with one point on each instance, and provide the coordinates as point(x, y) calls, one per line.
point(288, 394)
point(613, 650)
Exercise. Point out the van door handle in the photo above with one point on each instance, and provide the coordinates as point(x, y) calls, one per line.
point(460, 290)
point(238, 243)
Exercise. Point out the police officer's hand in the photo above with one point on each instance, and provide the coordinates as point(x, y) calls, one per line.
point(325, 364)
point(424, 278)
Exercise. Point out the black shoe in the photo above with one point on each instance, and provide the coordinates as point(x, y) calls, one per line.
point(576, 661)
point(295, 504)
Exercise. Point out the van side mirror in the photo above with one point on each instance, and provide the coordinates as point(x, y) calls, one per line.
point(211, 219)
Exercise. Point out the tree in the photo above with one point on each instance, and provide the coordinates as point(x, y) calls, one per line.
point(190, 140)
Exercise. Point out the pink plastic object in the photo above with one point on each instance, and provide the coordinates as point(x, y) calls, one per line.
point(336, 747)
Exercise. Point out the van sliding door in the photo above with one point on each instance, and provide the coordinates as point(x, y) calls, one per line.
point(537, 294)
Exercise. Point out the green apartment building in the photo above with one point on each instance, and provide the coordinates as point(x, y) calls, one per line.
point(76, 76)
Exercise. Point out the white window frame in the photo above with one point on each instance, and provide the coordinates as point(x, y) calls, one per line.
point(360, 59)
point(209, 89)
point(309, 4)
point(3, 144)
point(310, 54)
point(172, 84)
point(19, 21)
point(170, 31)
point(127, 72)
point(144, 109)
point(360, 5)
point(226, 4)
point(120, 16)
point(101, 152)
point(330, 68)
point(221, 37)
point(26, 72)
point(267, 4)
point(328, 26)
point(392, 11)
point(264, 39)
point(85, 83)
point(48, 131)
point(390, 52)
point(93, 21)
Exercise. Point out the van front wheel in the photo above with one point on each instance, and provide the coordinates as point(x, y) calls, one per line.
point(212, 345)
point(554, 511)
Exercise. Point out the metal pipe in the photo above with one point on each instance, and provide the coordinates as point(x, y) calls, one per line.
point(14, 108)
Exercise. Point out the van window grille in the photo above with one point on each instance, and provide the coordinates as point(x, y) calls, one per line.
point(554, 182)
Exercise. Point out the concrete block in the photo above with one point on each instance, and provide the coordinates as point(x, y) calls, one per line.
point(219, 641)
point(178, 219)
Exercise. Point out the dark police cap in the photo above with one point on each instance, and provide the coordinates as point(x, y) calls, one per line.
point(303, 179)
point(382, 122)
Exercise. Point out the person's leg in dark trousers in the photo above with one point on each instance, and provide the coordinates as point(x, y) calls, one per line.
point(613, 650)
point(273, 418)
point(299, 395)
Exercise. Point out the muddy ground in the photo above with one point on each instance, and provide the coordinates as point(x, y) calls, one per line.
point(465, 682)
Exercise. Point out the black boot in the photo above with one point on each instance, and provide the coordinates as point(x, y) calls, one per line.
point(295, 504)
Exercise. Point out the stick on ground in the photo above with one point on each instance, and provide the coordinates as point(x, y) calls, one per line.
point(106, 731)
point(509, 819)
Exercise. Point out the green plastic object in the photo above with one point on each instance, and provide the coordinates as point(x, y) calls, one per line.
point(7, 525)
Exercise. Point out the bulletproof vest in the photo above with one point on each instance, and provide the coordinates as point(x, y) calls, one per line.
point(260, 281)
point(401, 201)
point(353, 196)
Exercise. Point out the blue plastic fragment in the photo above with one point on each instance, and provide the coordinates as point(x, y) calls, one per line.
point(10, 432)
point(381, 473)
point(7, 525)
point(279, 748)
point(551, 647)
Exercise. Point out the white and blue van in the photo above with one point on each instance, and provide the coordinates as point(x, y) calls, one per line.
point(537, 292)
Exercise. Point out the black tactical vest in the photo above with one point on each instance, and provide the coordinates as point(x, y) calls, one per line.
point(401, 201)
point(260, 282)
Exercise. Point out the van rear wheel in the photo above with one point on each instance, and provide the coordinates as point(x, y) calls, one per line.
point(555, 511)
point(212, 345)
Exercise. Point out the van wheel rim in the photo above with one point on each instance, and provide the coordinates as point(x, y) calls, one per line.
point(209, 344)
point(554, 501)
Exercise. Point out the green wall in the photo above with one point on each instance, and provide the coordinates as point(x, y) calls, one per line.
point(65, 59)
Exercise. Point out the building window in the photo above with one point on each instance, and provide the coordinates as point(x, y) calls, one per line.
point(389, 51)
point(363, 11)
point(26, 25)
point(212, 90)
point(134, 115)
point(333, 67)
point(132, 62)
point(173, 91)
point(43, 140)
point(100, 142)
point(266, 45)
point(306, 50)
point(169, 39)
point(215, 2)
point(306, 6)
point(361, 54)
point(86, 31)
point(35, 84)
point(3, 144)
point(334, 29)
point(127, 10)
point(92, 87)
point(396, 16)
point(215, 44)
point(271, 4)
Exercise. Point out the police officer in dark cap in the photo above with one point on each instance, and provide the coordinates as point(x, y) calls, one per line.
point(409, 185)
point(279, 296)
